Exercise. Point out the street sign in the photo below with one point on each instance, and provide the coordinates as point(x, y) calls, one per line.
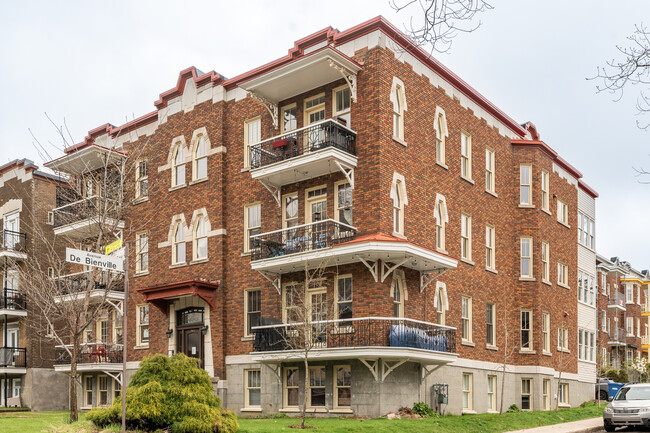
point(93, 259)
point(113, 246)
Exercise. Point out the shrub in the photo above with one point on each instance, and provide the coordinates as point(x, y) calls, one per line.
point(622, 376)
point(513, 408)
point(169, 393)
point(423, 410)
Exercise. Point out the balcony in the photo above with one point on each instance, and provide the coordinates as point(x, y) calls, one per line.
point(617, 337)
point(13, 244)
point(616, 300)
point(107, 285)
point(645, 341)
point(13, 360)
point(12, 303)
point(92, 357)
point(645, 307)
point(366, 338)
point(316, 150)
point(84, 218)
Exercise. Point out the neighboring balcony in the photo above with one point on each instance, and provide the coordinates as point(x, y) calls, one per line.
point(366, 338)
point(107, 285)
point(316, 150)
point(84, 218)
point(13, 245)
point(12, 303)
point(645, 341)
point(645, 307)
point(617, 337)
point(13, 360)
point(92, 357)
point(616, 300)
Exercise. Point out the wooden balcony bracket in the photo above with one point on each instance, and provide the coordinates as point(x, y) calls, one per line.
point(270, 107)
point(275, 279)
point(350, 78)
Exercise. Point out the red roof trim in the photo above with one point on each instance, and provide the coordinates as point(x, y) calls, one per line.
point(382, 237)
point(552, 153)
point(586, 188)
point(199, 80)
point(16, 164)
point(160, 295)
point(81, 146)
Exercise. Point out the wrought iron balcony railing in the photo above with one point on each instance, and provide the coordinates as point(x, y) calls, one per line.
point(13, 357)
point(87, 208)
point(13, 241)
point(645, 340)
point(91, 353)
point(78, 282)
point(616, 299)
point(300, 239)
point(618, 335)
point(360, 332)
point(11, 299)
point(321, 135)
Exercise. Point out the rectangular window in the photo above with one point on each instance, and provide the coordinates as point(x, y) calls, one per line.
point(253, 388)
point(526, 253)
point(316, 387)
point(142, 252)
point(629, 326)
point(466, 155)
point(526, 330)
point(117, 327)
point(526, 392)
point(562, 212)
point(603, 321)
point(117, 389)
point(546, 393)
point(490, 248)
point(88, 391)
point(343, 304)
point(467, 391)
point(562, 274)
point(343, 202)
point(253, 310)
point(289, 118)
point(466, 318)
point(142, 325)
point(252, 226)
point(290, 303)
point(525, 185)
point(342, 386)
point(291, 384)
point(252, 135)
point(586, 231)
point(102, 391)
point(489, 170)
point(102, 329)
point(546, 332)
point(141, 180)
point(563, 393)
point(342, 105)
point(290, 216)
point(563, 339)
point(581, 344)
point(490, 317)
point(629, 294)
point(466, 237)
point(546, 263)
point(492, 394)
point(545, 191)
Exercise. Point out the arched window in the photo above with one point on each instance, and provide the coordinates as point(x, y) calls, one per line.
point(200, 246)
point(398, 292)
point(441, 127)
point(178, 169)
point(440, 215)
point(398, 208)
point(398, 113)
point(441, 303)
point(178, 244)
point(200, 159)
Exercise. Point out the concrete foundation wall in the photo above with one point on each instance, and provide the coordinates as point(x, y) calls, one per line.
point(45, 389)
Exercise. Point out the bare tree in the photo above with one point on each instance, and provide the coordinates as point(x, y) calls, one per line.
point(435, 23)
point(509, 348)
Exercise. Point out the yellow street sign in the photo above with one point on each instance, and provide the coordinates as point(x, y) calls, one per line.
point(112, 247)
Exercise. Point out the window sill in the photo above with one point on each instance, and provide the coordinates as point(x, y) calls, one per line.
point(199, 261)
point(251, 409)
point(494, 271)
point(440, 250)
point(174, 188)
point(248, 338)
point(140, 200)
point(526, 206)
point(289, 410)
point(467, 179)
point(177, 265)
point(467, 343)
point(547, 282)
point(527, 279)
point(469, 412)
point(527, 352)
point(566, 405)
point(141, 274)
point(203, 179)
point(400, 141)
point(398, 235)
point(469, 262)
point(564, 224)
point(341, 410)
point(586, 304)
point(491, 347)
point(245, 169)
point(492, 193)
point(443, 165)
point(564, 286)
point(546, 211)
point(245, 254)
point(561, 349)
point(545, 353)
point(141, 347)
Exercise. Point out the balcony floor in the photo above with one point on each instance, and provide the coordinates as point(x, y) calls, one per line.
point(86, 228)
point(97, 366)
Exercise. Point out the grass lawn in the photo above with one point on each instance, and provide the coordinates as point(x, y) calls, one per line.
point(49, 422)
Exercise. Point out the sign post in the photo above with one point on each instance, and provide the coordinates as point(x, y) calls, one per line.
point(124, 334)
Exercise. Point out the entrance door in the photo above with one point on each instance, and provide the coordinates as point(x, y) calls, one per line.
point(189, 335)
point(314, 112)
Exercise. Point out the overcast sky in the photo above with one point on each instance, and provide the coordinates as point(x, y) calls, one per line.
point(96, 62)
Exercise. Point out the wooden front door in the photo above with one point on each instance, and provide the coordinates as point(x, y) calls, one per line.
point(190, 342)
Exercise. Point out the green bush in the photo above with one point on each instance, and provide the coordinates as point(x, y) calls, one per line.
point(423, 410)
point(513, 408)
point(169, 393)
point(622, 376)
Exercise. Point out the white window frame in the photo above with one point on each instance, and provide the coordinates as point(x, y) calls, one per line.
point(88, 380)
point(546, 393)
point(490, 170)
point(526, 243)
point(337, 299)
point(345, 113)
point(398, 208)
point(525, 185)
point(562, 212)
point(527, 392)
point(466, 319)
point(490, 247)
point(441, 217)
point(442, 133)
point(490, 325)
point(467, 389)
point(546, 262)
point(142, 252)
point(336, 386)
point(251, 138)
point(140, 325)
point(178, 161)
point(545, 190)
point(247, 311)
point(337, 204)
point(102, 378)
point(248, 387)
point(629, 326)
point(563, 394)
point(562, 274)
point(200, 159)
point(286, 387)
point(310, 387)
point(200, 237)
point(179, 244)
point(283, 127)
point(118, 335)
point(398, 99)
point(491, 393)
point(530, 347)
point(466, 236)
point(466, 155)
point(399, 292)
point(141, 179)
point(562, 339)
point(546, 332)
point(248, 228)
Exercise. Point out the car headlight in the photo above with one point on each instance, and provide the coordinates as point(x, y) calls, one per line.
point(609, 409)
point(644, 409)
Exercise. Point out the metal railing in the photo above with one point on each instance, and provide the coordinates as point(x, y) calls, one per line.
point(360, 332)
point(91, 353)
point(11, 299)
point(90, 207)
point(645, 340)
point(13, 357)
point(79, 282)
point(300, 239)
point(13, 241)
point(616, 299)
point(645, 307)
point(320, 135)
point(618, 335)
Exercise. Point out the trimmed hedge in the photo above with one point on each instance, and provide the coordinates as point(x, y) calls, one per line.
point(169, 393)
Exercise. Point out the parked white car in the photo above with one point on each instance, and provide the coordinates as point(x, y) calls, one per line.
point(630, 407)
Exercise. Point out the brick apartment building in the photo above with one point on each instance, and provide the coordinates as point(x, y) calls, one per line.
point(623, 307)
point(26, 358)
point(444, 233)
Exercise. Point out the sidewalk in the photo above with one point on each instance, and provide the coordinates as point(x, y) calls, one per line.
point(583, 426)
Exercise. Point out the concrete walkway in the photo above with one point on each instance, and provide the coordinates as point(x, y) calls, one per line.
point(584, 426)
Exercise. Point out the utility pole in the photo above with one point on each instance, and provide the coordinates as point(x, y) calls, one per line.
point(125, 333)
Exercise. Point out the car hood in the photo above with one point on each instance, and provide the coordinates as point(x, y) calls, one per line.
point(627, 404)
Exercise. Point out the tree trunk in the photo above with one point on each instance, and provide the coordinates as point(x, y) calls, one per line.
point(303, 413)
point(74, 415)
